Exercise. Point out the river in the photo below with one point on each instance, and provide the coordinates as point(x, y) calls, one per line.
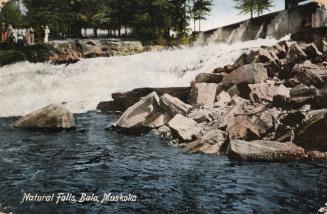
point(91, 160)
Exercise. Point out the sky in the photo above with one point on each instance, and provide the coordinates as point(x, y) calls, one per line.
point(224, 13)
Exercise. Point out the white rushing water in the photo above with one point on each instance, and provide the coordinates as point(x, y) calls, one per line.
point(25, 87)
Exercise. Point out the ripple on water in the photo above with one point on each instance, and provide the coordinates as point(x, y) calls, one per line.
point(163, 178)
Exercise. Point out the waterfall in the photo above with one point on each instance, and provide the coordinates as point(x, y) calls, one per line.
point(259, 32)
point(237, 34)
point(25, 86)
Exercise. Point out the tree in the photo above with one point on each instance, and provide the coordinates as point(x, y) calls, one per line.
point(252, 6)
point(11, 14)
point(200, 9)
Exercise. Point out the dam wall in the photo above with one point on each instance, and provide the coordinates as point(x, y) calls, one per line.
point(273, 25)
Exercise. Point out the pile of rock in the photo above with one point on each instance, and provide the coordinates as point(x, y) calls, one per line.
point(268, 106)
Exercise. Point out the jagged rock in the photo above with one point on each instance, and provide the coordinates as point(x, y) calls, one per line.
point(295, 54)
point(240, 127)
point(223, 99)
point(165, 132)
point(209, 78)
point(312, 51)
point(264, 151)
point(285, 45)
point(141, 113)
point(204, 94)
point(310, 74)
point(280, 51)
point(291, 83)
point(241, 90)
point(321, 99)
point(175, 105)
point(302, 94)
point(311, 135)
point(323, 210)
point(265, 120)
point(265, 56)
point(157, 119)
point(200, 115)
point(316, 155)
point(247, 74)
point(210, 143)
point(52, 117)
point(127, 99)
point(186, 128)
point(265, 91)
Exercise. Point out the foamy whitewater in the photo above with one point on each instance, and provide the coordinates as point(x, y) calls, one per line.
point(25, 87)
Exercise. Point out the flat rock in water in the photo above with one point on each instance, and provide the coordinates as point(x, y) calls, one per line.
point(264, 151)
point(186, 128)
point(137, 116)
point(52, 117)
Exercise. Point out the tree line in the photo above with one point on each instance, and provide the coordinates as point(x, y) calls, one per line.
point(151, 20)
point(146, 19)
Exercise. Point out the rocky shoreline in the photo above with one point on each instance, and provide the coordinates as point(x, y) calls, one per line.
point(71, 51)
point(270, 105)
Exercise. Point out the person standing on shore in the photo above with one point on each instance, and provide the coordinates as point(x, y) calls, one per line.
point(32, 35)
point(15, 35)
point(46, 34)
point(27, 38)
point(4, 33)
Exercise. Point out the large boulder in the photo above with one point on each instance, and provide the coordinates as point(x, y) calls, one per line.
point(310, 74)
point(266, 91)
point(240, 127)
point(247, 74)
point(203, 94)
point(127, 99)
point(303, 94)
point(295, 54)
point(52, 117)
point(186, 128)
point(175, 105)
point(311, 135)
point(142, 113)
point(210, 143)
point(264, 151)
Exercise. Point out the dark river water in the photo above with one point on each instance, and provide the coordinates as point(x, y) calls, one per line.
point(163, 178)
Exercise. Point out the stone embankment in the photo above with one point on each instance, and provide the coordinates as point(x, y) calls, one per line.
point(270, 105)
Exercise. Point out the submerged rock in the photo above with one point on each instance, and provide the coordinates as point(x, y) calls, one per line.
point(264, 151)
point(52, 117)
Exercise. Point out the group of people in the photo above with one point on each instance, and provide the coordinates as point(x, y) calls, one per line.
point(24, 36)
